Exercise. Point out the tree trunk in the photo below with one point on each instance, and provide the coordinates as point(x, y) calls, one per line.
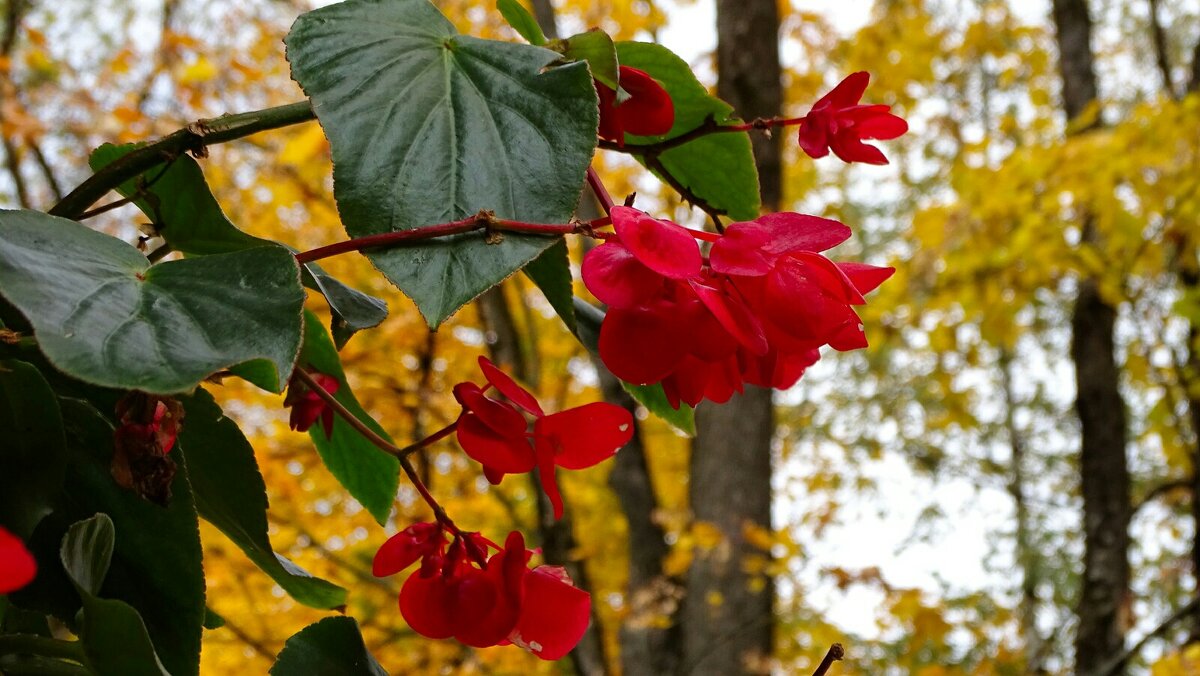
point(727, 616)
point(1104, 597)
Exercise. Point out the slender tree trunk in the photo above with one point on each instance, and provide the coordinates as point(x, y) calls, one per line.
point(727, 617)
point(1104, 597)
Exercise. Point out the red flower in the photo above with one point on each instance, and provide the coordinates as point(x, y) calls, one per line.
point(145, 434)
point(17, 565)
point(459, 592)
point(839, 123)
point(755, 312)
point(307, 405)
point(647, 112)
point(495, 432)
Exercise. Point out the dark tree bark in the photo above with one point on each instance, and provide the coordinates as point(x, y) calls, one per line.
point(728, 621)
point(1101, 410)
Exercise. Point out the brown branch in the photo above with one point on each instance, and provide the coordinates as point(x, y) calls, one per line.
point(1118, 663)
point(835, 654)
point(47, 170)
point(1160, 490)
point(1159, 38)
point(13, 165)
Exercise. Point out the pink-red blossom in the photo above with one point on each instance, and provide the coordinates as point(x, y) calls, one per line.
point(17, 565)
point(648, 111)
point(307, 406)
point(756, 311)
point(460, 592)
point(494, 429)
point(838, 122)
point(147, 426)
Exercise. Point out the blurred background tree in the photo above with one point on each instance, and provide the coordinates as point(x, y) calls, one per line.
point(1001, 484)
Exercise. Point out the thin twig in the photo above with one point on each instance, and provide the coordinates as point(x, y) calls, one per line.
point(1117, 663)
point(47, 170)
point(836, 653)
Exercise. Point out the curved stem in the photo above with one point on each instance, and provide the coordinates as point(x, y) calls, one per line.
point(600, 191)
point(195, 137)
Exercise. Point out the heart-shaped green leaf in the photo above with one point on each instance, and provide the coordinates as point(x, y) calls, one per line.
point(103, 314)
point(177, 200)
point(718, 168)
point(231, 495)
point(428, 126)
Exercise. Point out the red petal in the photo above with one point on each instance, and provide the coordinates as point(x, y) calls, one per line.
point(649, 110)
point(883, 126)
point(545, 465)
point(849, 91)
point(734, 317)
point(617, 278)
point(509, 387)
point(429, 605)
point(493, 475)
point(510, 455)
point(586, 435)
point(866, 278)
point(17, 565)
point(662, 246)
point(610, 123)
point(740, 250)
point(486, 613)
point(789, 232)
point(640, 346)
point(829, 277)
point(850, 336)
point(503, 418)
point(849, 148)
point(814, 136)
point(403, 549)
point(554, 615)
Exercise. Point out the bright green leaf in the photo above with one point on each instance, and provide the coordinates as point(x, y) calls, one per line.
point(103, 314)
point(598, 50)
point(718, 168)
point(331, 647)
point(34, 454)
point(522, 21)
point(370, 475)
point(428, 126)
point(230, 494)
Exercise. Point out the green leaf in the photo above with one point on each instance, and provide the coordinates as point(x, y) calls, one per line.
point(598, 50)
point(428, 126)
point(156, 562)
point(718, 168)
point(551, 272)
point(34, 454)
point(331, 647)
point(522, 21)
point(212, 619)
point(103, 314)
point(370, 475)
point(651, 396)
point(178, 201)
point(114, 636)
point(230, 494)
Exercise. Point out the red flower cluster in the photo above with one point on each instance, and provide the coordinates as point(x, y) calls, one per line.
point(839, 123)
point(494, 431)
point(17, 565)
point(145, 434)
point(307, 405)
point(647, 112)
point(459, 592)
point(756, 311)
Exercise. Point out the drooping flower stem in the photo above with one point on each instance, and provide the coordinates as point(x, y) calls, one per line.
point(401, 454)
point(484, 220)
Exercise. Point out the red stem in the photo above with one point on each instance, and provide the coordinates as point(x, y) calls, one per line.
point(483, 220)
point(601, 192)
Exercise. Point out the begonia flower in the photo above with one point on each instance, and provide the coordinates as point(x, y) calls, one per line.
point(756, 311)
point(648, 111)
point(307, 406)
point(495, 431)
point(481, 601)
point(17, 565)
point(838, 122)
point(147, 427)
